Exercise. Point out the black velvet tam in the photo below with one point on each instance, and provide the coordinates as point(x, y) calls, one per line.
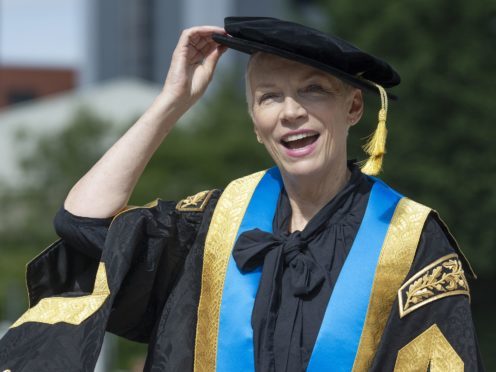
point(309, 46)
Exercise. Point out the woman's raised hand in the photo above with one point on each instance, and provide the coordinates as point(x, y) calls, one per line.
point(105, 189)
point(193, 64)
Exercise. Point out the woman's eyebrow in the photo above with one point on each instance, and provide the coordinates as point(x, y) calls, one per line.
point(313, 74)
point(264, 85)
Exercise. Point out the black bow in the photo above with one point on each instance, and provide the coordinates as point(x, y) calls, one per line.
point(277, 252)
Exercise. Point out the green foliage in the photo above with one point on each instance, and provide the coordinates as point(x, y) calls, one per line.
point(55, 164)
point(441, 131)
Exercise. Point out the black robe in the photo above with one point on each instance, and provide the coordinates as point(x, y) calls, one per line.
point(154, 258)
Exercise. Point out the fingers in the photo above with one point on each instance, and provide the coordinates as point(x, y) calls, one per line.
point(204, 30)
point(210, 62)
point(195, 35)
point(194, 61)
point(196, 43)
point(202, 51)
point(203, 47)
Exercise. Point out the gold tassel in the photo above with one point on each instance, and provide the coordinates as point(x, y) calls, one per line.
point(376, 144)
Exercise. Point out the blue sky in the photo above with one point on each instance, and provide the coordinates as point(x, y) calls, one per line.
point(42, 32)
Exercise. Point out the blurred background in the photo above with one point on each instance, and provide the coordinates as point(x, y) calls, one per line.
point(75, 74)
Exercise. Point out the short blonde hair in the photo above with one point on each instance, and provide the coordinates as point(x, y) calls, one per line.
point(248, 92)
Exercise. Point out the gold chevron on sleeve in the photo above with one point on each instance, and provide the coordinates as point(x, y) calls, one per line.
point(444, 277)
point(430, 351)
point(72, 310)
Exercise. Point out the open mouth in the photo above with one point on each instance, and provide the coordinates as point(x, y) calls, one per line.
point(299, 141)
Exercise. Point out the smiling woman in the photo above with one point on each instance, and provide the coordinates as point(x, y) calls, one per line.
point(310, 265)
point(302, 115)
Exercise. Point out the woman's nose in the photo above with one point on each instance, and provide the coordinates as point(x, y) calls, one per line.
point(292, 109)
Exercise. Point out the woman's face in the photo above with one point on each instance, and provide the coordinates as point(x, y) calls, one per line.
point(301, 114)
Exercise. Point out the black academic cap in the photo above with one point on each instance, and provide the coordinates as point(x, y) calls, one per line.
point(309, 46)
point(323, 51)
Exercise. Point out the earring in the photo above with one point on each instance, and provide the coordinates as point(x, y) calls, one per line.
point(259, 139)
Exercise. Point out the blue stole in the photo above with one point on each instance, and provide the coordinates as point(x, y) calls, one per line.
point(339, 335)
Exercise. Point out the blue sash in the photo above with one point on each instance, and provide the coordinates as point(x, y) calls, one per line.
point(235, 351)
point(339, 335)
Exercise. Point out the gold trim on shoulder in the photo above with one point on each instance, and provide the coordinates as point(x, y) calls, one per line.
point(72, 310)
point(430, 351)
point(444, 277)
point(219, 242)
point(195, 203)
point(129, 208)
point(395, 259)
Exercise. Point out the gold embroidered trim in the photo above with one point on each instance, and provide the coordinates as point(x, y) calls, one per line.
point(444, 277)
point(219, 242)
point(395, 259)
point(72, 310)
point(195, 203)
point(429, 351)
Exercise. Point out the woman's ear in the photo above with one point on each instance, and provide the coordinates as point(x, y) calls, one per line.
point(355, 111)
point(259, 139)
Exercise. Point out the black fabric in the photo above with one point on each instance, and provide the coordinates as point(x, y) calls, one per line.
point(309, 46)
point(86, 235)
point(145, 252)
point(299, 272)
point(451, 314)
point(76, 263)
point(155, 255)
point(172, 342)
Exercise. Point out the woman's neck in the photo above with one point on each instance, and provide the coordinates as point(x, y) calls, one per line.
point(307, 195)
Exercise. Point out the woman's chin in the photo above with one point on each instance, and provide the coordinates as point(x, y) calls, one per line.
point(303, 168)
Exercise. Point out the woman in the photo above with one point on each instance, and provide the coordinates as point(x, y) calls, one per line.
point(311, 265)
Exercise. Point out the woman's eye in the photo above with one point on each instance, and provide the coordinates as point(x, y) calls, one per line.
point(315, 88)
point(267, 96)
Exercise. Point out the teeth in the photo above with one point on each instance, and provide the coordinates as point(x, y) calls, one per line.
point(295, 137)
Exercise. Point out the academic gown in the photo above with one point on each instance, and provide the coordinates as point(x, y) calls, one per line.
point(153, 258)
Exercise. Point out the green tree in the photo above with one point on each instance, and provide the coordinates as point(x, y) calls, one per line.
point(441, 131)
point(49, 171)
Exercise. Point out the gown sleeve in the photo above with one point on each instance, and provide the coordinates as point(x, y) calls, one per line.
point(84, 234)
point(69, 264)
point(434, 331)
point(102, 274)
point(161, 238)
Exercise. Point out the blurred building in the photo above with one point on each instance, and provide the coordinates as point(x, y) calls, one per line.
point(19, 84)
point(128, 46)
point(137, 37)
point(119, 101)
